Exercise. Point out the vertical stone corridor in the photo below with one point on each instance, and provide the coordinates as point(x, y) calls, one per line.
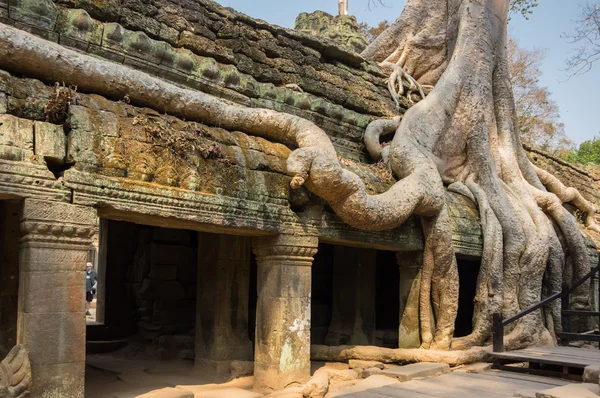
point(353, 304)
point(10, 233)
point(222, 305)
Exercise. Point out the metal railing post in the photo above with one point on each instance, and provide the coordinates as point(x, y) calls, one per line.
point(498, 333)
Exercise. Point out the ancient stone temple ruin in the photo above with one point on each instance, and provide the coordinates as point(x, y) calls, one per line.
point(154, 129)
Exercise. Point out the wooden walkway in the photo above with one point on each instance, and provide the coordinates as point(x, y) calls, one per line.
point(565, 362)
point(490, 384)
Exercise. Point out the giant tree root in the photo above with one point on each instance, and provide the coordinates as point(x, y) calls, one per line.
point(399, 355)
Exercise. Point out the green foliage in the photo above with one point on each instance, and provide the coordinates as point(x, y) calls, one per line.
point(588, 152)
point(523, 7)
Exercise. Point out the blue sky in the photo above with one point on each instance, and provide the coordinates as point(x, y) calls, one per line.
point(576, 97)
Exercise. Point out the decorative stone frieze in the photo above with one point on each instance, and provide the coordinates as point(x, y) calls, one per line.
point(282, 343)
point(51, 322)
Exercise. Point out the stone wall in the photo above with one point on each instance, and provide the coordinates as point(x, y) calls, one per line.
point(341, 29)
point(202, 45)
point(151, 280)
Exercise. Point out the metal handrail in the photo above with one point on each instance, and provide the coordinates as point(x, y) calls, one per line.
point(499, 323)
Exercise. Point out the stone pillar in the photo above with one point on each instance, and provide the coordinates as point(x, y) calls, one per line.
point(410, 264)
point(282, 346)
point(353, 303)
point(51, 321)
point(222, 303)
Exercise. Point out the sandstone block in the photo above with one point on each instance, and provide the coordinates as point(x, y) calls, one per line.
point(161, 290)
point(591, 373)
point(171, 254)
point(422, 369)
point(241, 368)
point(3, 103)
point(54, 338)
point(47, 292)
point(163, 272)
point(168, 392)
point(336, 375)
point(16, 138)
point(584, 390)
point(355, 363)
point(50, 142)
point(39, 13)
point(77, 24)
point(58, 380)
point(370, 372)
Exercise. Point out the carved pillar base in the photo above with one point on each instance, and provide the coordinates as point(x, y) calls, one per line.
point(282, 349)
point(410, 264)
point(353, 309)
point(222, 306)
point(51, 325)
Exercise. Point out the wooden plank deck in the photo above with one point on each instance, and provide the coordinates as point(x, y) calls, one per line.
point(490, 384)
point(566, 362)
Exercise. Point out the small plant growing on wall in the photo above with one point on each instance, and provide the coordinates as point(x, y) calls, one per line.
point(57, 107)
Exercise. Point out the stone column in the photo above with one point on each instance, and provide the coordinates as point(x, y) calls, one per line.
point(410, 264)
point(51, 321)
point(222, 303)
point(282, 346)
point(353, 304)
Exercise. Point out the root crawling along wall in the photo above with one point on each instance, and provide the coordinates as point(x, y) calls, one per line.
point(462, 134)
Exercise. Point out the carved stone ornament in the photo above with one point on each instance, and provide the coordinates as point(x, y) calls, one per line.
point(15, 374)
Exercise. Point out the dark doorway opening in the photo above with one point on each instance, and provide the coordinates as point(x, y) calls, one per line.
point(322, 290)
point(387, 299)
point(10, 233)
point(468, 271)
point(148, 291)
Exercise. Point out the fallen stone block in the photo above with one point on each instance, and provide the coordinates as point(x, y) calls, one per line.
point(585, 390)
point(370, 372)
point(241, 369)
point(364, 385)
point(355, 363)
point(168, 392)
point(591, 374)
point(422, 369)
point(341, 375)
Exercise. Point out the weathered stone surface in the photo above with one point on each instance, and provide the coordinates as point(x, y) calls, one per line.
point(42, 13)
point(358, 364)
point(372, 382)
point(591, 374)
point(570, 391)
point(422, 369)
point(168, 392)
point(282, 344)
point(16, 138)
point(15, 380)
point(50, 142)
point(342, 29)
